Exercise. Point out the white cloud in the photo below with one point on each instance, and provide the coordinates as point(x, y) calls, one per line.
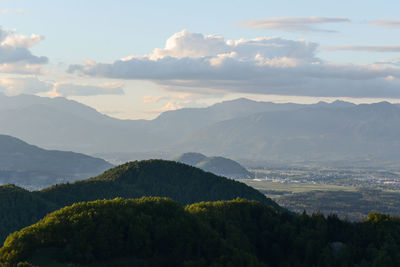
point(194, 45)
point(289, 24)
point(15, 56)
point(208, 64)
point(387, 23)
point(18, 40)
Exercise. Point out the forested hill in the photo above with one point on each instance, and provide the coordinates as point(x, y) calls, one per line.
point(183, 183)
point(161, 232)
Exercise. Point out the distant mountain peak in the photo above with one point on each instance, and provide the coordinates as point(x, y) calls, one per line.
point(217, 165)
point(191, 158)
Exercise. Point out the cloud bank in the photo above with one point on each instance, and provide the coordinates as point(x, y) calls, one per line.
point(192, 62)
point(307, 24)
point(15, 56)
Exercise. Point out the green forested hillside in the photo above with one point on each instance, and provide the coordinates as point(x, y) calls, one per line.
point(19, 208)
point(180, 182)
point(161, 232)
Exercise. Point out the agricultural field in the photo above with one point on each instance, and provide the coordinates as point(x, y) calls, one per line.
point(351, 194)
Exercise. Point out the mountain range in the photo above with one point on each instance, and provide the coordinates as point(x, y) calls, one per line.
point(237, 129)
point(32, 167)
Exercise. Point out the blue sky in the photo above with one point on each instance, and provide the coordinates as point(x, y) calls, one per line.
point(106, 31)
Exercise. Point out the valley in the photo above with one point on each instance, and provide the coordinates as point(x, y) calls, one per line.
point(350, 193)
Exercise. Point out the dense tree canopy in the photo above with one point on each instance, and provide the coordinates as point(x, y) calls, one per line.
point(160, 232)
point(144, 232)
point(154, 231)
point(20, 208)
point(183, 183)
point(178, 181)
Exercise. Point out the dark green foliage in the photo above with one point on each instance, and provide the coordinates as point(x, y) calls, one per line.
point(149, 231)
point(160, 232)
point(19, 208)
point(180, 182)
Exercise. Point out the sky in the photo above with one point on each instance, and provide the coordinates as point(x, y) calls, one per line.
point(136, 59)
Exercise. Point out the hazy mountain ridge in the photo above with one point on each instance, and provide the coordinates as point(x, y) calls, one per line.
point(64, 124)
point(309, 133)
point(238, 129)
point(68, 125)
point(30, 166)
